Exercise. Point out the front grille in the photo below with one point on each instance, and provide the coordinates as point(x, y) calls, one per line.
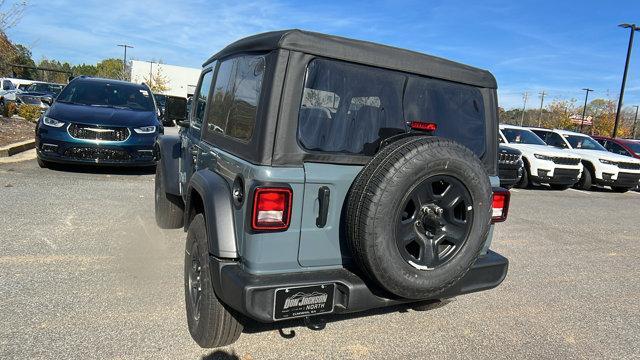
point(568, 173)
point(628, 179)
point(508, 158)
point(566, 161)
point(92, 132)
point(88, 153)
point(628, 166)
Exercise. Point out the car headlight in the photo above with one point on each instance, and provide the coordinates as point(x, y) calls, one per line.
point(608, 162)
point(543, 157)
point(52, 122)
point(145, 130)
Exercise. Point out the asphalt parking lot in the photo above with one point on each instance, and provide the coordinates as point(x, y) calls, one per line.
point(85, 273)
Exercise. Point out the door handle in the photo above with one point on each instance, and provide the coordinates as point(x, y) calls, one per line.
point(323, 199)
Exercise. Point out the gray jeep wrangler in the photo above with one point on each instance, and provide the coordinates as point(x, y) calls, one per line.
point(317, 174)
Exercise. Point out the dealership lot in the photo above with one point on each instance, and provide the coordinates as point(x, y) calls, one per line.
point(85, 273)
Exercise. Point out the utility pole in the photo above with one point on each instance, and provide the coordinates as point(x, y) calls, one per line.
point(635, 121)
point(542, 94)
point(150, 74)
point(524, 107)
point(633, 28)
point(124, 60)
point(584, 109)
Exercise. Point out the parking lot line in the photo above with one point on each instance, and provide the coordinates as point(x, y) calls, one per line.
point(514, 190)
point(580, 191)
point(634, 192)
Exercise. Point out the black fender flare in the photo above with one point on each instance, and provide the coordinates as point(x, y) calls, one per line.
point(218, 208)
point(168, 152)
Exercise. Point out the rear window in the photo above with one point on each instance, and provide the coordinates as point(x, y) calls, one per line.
point(348, 108)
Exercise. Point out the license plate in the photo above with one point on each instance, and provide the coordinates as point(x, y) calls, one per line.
point(303, 301)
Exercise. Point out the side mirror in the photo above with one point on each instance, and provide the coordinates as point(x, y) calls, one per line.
point(183, 123)
point(175, 109)
point(47, 100)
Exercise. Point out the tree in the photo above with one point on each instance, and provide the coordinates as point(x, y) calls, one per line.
point(156, 81)
point(22, 56)
point(84, 69)
point(110, 69)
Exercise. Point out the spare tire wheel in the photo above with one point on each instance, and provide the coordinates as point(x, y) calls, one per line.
point(418, 215)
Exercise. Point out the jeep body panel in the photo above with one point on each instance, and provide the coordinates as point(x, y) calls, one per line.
point(168, 152)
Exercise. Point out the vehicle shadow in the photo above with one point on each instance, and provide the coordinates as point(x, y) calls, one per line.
point(103, 170)
point(287, 328)
point(221, 355)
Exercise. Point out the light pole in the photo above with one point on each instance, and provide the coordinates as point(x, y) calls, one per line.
point(633, 28)
point(124, 61)
point(542, 94)
point(584, 110)
point(524, 107)
point(635, 121)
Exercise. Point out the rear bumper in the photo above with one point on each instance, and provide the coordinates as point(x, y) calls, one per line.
point(253, 295)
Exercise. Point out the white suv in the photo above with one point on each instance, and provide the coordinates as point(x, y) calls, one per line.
point(601, 166)
point(542, 163)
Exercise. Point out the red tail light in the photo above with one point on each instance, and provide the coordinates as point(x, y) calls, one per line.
point(424, 126)
point(500, 206)
point(271, 209)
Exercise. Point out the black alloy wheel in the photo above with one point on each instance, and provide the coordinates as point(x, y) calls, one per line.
point(195, 282)
point(434, 222)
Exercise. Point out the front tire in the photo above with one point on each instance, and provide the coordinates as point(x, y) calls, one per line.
point(585, 181)
point(211, 323)
point(523, 183)
point(168, 209)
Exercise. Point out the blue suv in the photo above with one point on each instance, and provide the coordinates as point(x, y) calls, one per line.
point(99, 121)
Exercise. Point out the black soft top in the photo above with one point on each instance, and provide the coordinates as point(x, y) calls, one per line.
point(362, 52)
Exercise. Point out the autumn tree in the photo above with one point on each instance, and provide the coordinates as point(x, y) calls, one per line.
point(109, 69)
point(157, 81)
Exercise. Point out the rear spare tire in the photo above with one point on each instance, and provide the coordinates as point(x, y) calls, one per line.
point(418, 215)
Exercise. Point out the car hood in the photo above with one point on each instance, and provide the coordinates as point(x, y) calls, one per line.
point(603, 155)
point(543, 150)
point(104, 116)
point(34, 93)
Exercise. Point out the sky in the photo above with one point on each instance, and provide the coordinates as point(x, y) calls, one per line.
point(530, 46)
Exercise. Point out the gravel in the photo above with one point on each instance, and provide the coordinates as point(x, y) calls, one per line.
point(85, 273)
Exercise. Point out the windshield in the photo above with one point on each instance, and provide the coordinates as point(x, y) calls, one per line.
point(521, 136)
point(634, 146)
point(45, 88)
point(105, 94)
point(583, 142)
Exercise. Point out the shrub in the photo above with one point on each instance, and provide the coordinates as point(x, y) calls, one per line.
point(9, 109)
point(29, 112)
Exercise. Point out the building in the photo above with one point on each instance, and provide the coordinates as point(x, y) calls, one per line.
point(180, 80)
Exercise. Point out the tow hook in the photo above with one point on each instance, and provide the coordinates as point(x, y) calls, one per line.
point(315, 323)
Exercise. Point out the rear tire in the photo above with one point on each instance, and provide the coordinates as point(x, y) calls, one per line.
point(585, 181)
point(211, 323)
point(168, 207)
point(619, 189)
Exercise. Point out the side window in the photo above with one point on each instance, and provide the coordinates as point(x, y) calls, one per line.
point(235, 97)
point(556, 140)
point(615, 148)
point(7, 85)
point(200, 100)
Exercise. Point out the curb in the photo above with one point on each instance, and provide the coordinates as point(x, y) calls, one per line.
point(15, 148)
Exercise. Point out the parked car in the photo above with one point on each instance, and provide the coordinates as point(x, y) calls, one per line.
point(510, 166)
point(626, 147)
point(542, 164)
point(39, 93)
point(99, 121)
point(319, 174)
point(602, 167)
